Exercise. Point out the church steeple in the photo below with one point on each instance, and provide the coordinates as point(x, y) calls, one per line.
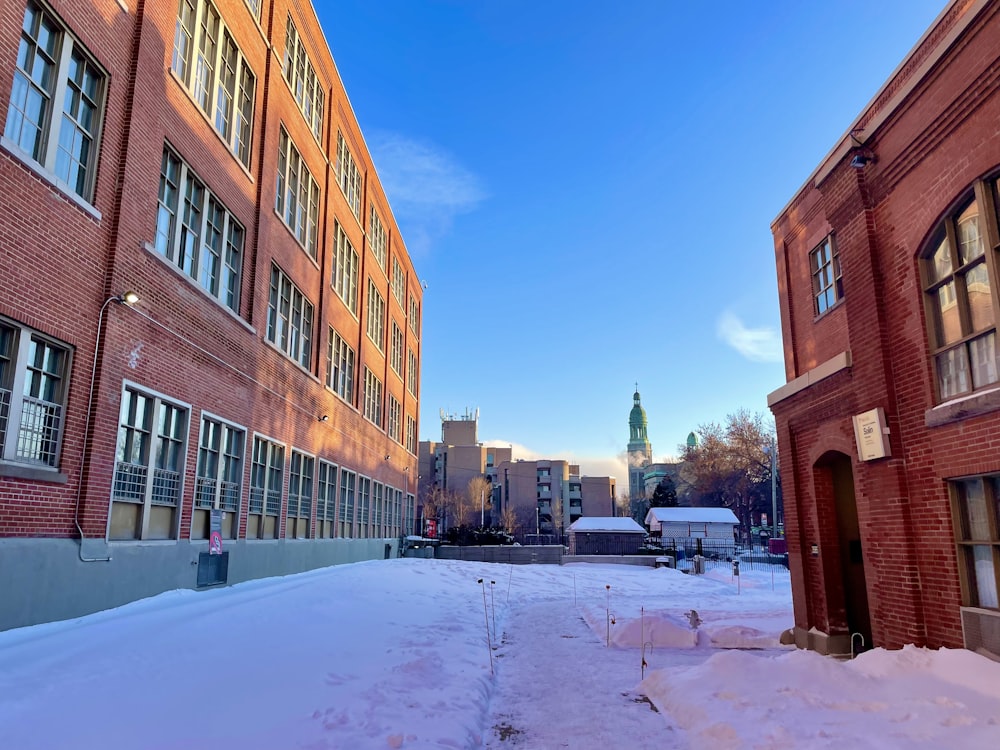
point(640, 452)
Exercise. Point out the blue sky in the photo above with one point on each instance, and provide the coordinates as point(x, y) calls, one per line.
point(587, 189)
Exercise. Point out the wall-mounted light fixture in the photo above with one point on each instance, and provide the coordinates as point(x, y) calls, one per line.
point(323, 418)
point(386, 456)
point(862, 158)
point(128, 298)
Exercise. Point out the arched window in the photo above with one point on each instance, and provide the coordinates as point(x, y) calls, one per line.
point(959, 273)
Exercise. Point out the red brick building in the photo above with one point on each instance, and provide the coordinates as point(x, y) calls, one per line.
point(889, 424)
point(203, 155)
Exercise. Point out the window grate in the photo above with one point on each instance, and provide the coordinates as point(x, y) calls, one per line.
point(130, 482)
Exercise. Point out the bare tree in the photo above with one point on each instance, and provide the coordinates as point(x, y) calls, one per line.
point(556, 515)
point(623, 505)
point(731, 466)
point(479, 493)
point(508, 519)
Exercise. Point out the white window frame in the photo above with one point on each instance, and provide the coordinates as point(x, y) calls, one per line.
point(300, 75)
point(340, 366)
point(66, 169)
point(296, 195)
point(267, 476)
point(411, 434)
point(398, 283)
point(348, 489)
point(138, 480)
point(197, 233)
point(33, 391)
point(289, 318)
point(412, 372)
point(214, 486)
point(396, 350)
point(345, 270)
point(364, 506)
point(377, 239)
point(213, 69)
point(414, 316)
point(348, 176)
point(299, 506)
point(376, 317)
point(393, 419)
point(326, 499)
point(373, 398)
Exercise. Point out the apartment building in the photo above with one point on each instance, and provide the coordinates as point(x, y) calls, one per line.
point(889, 283)
point(209, 322)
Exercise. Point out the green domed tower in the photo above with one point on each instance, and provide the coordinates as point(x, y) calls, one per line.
point(640, 452)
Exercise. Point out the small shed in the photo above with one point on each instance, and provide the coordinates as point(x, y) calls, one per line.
point(597, 535)
point(692, 523)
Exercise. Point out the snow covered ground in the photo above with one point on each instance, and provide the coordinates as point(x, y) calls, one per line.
point(445, 654)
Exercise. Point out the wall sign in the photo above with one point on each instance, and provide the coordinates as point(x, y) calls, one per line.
point(872, 435)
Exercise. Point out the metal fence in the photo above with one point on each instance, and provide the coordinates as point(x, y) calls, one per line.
point(752, 556)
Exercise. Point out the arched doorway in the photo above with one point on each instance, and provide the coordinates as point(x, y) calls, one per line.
point(834, 470)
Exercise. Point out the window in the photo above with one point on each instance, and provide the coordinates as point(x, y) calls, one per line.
point(364, 506)
point(289, 319)
point(960, 301)
point(373, 398)
point(347, 485)
point(340, 367)
point(33, 390)
point(398, 283)
point(376, 316)
point(394, 419)
point(378, 499)
point(196, 232)
point(411, 372)
point(414, 316)
point(218, 76)
point(220, 477)
point(56, 102)
point(300, 488)
point(301, 78)
point(396, 350)
point(411, 434)
point(348, 176)
point(345, 271)
point(377, 239)
point(411, 514)
point(977, 527)
point(824, 262)
point(326, 500)
point(267, 473)
point(149, 467)
point(254, 6)
point(296, 195)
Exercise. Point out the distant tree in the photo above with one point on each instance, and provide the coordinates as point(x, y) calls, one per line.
point(556, 515)
point(623, 505)
point(665, 494)
point(731, 466)
point(479, 493)
point(508, 520)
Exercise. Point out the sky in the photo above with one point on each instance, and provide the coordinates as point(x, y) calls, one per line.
point(587, 190)
point(430, 654)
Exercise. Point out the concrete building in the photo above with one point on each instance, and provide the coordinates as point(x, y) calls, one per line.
point(889, 283)
point(448, 466)
point(209, 323)
point(547, 495)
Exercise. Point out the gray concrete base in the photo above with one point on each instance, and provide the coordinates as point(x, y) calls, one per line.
point(45, 580)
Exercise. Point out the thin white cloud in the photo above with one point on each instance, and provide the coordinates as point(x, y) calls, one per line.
point(756, 344)
point(425, 185)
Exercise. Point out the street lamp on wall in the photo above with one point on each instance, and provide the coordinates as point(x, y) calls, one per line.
point(127, 298)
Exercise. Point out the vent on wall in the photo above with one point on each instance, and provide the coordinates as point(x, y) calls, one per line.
point(981, 631)
point(213, 570)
